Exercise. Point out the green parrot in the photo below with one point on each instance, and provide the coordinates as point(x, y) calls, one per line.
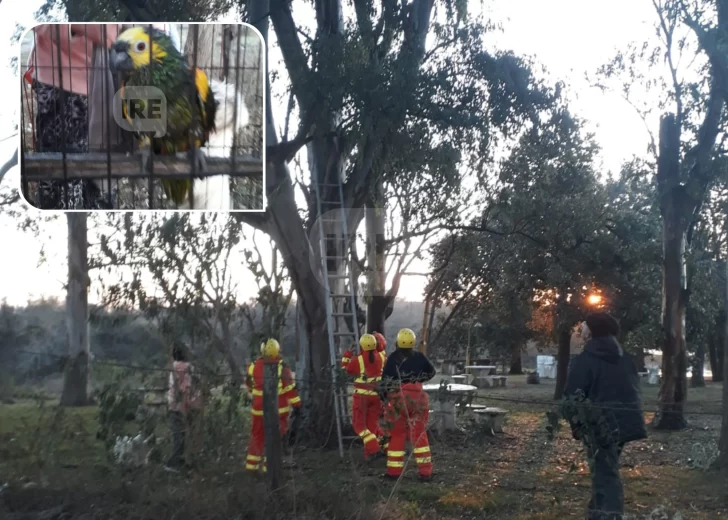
point(170, 73)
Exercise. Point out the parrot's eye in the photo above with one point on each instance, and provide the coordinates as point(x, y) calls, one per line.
point(140, 46)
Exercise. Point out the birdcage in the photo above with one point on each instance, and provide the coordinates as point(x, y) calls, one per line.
point(88, 144)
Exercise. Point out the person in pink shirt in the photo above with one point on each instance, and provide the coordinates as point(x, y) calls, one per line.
point(69, 73)
point(183, 401)
point(60, 69)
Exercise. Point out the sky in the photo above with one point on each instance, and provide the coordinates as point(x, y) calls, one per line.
point(568, 37)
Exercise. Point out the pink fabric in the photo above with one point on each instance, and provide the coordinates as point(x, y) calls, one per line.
point(77, 42)
point(180, 384)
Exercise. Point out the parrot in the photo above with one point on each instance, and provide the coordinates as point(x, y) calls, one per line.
point(170, 73)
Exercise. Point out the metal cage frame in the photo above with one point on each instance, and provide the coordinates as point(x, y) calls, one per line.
point(113, 163)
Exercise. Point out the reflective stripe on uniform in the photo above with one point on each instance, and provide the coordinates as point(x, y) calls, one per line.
point(395, 464)
point(281, 391)
point(367, 436)
point(362, 373)
point(423, 449)
point(395, 453)
point(361, 391)
point(295, 400)
point(423, 460)
point(287, 389)
point(254, 458)
point(283, 410)
point(251, 467)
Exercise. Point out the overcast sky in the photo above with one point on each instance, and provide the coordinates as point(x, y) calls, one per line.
point(569, 37)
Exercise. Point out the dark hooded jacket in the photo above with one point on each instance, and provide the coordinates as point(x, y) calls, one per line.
point(610, 384)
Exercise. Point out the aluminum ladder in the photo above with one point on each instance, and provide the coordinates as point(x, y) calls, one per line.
point(336, 268)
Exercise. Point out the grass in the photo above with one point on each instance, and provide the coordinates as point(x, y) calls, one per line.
point(50, 457)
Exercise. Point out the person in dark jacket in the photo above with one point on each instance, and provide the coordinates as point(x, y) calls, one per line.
point(408, 407)
point(604, 407)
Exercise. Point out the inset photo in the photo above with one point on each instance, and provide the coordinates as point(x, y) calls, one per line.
point(142, 117)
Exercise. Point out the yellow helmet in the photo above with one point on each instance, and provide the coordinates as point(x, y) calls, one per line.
point(406, 338)
point(368, 342)
point(270, 349)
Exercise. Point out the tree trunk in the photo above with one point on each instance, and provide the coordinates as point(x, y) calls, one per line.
point(723, 442)
point(202, 56)
point(377, 279)
point(285, 227)
point(76, 378)
point(516, 367)
point(563, 358)
point(715, 348)
point(673, 204)
point(5, 168)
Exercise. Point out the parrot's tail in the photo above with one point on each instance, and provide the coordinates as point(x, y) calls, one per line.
point(214, 192)
point(226, 120)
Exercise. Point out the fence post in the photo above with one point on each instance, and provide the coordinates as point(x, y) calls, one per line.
point(273, 449)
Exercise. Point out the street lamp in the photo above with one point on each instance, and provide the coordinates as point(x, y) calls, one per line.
point(467, 351)
point(594, 299)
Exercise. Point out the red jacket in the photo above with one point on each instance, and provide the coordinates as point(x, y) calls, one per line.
point(368, 374)
point(287, 394)
point(381, 347)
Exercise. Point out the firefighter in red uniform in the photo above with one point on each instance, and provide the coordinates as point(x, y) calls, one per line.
point(287, 398)
point(407, 408)
point(367, 406)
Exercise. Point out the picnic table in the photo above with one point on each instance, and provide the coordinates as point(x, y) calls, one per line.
point(444, 399)
point(481, 375)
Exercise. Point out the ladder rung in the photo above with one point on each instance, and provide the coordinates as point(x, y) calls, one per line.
point(342, 314)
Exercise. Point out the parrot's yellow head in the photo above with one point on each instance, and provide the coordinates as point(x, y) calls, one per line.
point(131, 50)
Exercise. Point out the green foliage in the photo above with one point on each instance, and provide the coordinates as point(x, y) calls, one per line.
point(225, 422)
point(43, 435)
point(118, 407)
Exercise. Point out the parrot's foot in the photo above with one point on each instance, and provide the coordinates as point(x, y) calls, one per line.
point(196, 156)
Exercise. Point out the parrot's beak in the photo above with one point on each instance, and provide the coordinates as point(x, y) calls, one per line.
point(119, 58)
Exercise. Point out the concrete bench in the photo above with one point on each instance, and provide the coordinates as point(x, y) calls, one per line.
point(492, 418)
point(472, 407)
point(499, 380)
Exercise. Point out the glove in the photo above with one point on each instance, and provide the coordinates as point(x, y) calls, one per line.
point(381, 342)
point(346, 358)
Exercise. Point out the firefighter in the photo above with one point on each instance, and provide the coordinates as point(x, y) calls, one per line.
point(407, 407)
point(287, 398)
point(367, 406)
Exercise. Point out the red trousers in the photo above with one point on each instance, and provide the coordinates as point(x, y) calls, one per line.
point(256, 446)
point(366, 411)
point(406, 416)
